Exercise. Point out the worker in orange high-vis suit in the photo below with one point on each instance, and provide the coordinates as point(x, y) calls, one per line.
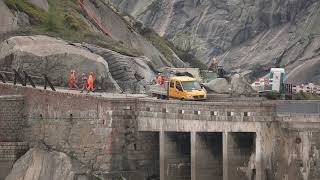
point(84, 82)
point(72, 80)
point(90, 82)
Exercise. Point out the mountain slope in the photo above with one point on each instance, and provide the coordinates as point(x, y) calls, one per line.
point(83, 22)
point(242, 34)
point(91, 22)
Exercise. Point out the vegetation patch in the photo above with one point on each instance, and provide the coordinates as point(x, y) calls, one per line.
point(160, 43)
point(168, 49)
point(188, 55)
point(65, 20)
point(36, 14)
point(305, 96)
point(108, 43)
point(73, 21)
point(271, 95)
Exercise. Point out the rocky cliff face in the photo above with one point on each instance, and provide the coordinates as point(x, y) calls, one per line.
point(132, 74)
point(121, 30)
point(132, 57)
point(243, 34)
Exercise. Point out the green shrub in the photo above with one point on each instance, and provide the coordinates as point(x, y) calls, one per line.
point(305, 96)
point(188, 56)
point(73, 21)
point(158, 42)
point(52, 24)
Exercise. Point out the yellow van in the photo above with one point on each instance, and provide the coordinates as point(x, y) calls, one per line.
point(180, 87)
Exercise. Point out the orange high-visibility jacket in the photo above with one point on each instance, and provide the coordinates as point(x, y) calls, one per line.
point(90, 81)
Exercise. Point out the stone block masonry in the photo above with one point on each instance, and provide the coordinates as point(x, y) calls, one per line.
point(99, 132)
point(9, 153)
point(12, 120)
point(12, 124)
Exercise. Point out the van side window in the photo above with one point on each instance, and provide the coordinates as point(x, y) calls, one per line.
point(171, 84)
point(178, 86)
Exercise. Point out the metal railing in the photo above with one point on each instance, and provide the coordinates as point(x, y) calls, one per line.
point(15, 77)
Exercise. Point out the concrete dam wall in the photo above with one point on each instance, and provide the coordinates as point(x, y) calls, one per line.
point(143, 138)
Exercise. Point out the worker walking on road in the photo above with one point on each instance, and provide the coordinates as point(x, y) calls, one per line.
point(72, 80)
point(160, 79)
point(156, 79)
point(90, 82)
point(84, 82)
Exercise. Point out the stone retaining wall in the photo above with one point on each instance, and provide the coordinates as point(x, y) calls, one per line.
point(120, 135)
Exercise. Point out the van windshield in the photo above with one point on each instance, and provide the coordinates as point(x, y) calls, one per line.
point(191, 85)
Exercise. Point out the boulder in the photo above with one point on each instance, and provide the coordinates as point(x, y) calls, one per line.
point(219, 85)
point(240, 87)
point(42, 164)
point(236, 86)
point(39, 55)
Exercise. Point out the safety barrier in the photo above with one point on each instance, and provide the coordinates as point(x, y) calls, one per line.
point(7, 76)
point(291, 89)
